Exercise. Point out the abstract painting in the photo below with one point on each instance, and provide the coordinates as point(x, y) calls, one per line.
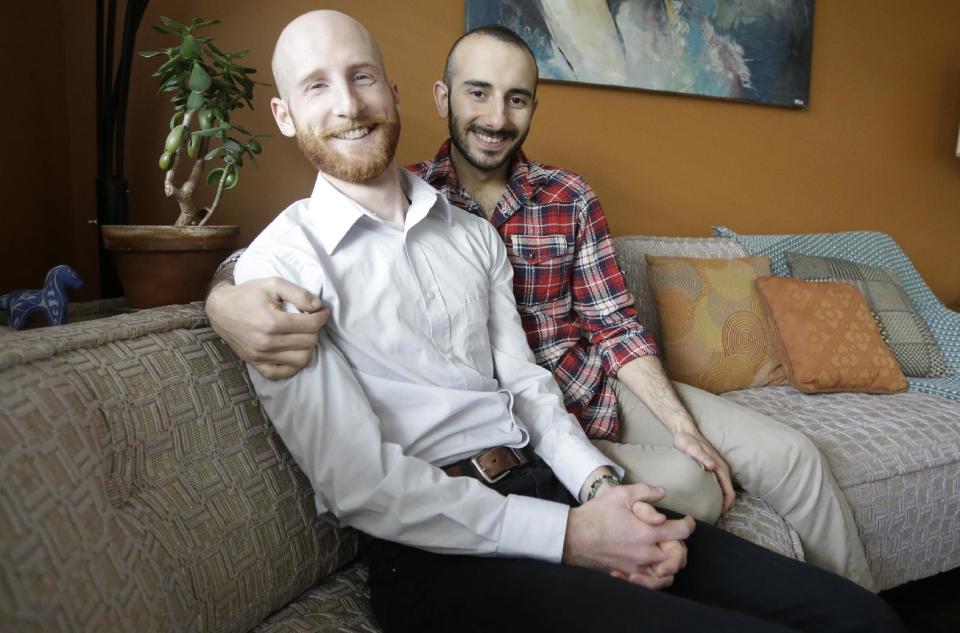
point(748, 50)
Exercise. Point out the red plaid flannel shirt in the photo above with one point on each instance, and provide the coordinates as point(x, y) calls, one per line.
point(573, 301)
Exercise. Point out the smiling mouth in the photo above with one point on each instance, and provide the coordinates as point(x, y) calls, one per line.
point(352, 134)
point(492, 137)
point(486, 138)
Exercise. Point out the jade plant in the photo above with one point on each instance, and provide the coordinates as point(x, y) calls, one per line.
point(207, 85)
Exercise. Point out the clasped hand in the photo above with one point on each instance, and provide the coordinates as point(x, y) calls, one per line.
point(620, 532)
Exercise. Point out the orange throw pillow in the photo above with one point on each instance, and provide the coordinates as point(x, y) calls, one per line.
point(828, 337)
point(714, 330)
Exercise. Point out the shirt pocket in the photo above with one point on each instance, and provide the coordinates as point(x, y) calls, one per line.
point(470, 330)
point(542, 266)
point(536, 249)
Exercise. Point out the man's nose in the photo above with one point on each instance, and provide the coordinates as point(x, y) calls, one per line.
point(348, 103)
point(497, 115)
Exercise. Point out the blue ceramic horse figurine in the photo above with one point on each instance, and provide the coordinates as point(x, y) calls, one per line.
point(51, 300)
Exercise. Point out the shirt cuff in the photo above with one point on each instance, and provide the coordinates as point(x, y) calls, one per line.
point(533, 528)
point(620, 350)
point(232, 260)
point(576, 459)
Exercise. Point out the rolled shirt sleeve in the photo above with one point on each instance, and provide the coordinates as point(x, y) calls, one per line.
point(600, 294)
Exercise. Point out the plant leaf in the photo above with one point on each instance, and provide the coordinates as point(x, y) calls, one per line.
point(163, 29)
point(200, 22)
point(213, 153)
point(195, 101)
point(214, 176)
point(232, 146)
point(199, 78)
point(172, 24)
point(212, 132)
point(169, 64)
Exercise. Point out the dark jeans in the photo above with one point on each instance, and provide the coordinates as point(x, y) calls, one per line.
point(728, 585)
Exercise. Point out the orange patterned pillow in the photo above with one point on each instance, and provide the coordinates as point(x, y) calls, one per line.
point(829, 338)
point(714, 330)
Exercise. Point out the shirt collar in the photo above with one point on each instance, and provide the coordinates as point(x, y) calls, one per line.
point(440, 173)
point(333, 213)
point(524, 179)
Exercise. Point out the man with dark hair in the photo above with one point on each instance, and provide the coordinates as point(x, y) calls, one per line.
point(578, 318)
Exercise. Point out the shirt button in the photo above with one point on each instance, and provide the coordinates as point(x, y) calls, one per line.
point(429, 295)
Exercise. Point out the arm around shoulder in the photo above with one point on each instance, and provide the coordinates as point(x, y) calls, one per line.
point(251, 318)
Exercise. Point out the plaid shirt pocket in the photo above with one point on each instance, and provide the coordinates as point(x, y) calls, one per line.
point(542, 266)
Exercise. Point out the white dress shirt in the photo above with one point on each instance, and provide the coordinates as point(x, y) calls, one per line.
point(423, 363)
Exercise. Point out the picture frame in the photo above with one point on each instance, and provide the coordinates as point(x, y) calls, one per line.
point(755, 51)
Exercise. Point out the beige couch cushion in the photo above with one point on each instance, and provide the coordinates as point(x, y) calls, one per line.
point(143, 488)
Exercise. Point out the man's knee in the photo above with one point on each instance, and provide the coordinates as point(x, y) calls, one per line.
point(692, 490)
point(799, 454)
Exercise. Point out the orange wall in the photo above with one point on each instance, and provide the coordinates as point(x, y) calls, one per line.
point(873, 151)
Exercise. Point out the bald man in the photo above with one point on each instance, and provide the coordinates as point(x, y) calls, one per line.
point(423, 420)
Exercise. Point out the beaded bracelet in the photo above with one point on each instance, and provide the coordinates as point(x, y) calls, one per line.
point(613, 480)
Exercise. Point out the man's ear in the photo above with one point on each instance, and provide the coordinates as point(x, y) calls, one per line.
point(396, 94)
point(533, 110)
point(281, 114)
point(441, 98)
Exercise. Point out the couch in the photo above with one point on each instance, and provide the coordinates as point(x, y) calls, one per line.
point(144, 490)
point(895, 456)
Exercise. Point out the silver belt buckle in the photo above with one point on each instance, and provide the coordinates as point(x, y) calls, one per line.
point(475, 461)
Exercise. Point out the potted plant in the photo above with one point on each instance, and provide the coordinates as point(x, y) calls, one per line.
point(172, 264)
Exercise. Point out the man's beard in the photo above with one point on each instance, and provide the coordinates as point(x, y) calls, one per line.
point(318, 147)
point(478, 159)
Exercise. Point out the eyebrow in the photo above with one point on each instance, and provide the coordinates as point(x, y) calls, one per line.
point(307, 79)
point(476, 83)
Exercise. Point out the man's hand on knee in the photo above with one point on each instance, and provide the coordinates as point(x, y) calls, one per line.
point(620, 532)
point(251, 319)
point(694, 444)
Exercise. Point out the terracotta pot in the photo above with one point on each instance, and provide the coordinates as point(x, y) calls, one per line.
point(160, 265)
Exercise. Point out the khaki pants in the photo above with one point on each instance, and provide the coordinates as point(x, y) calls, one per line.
point(767, 459)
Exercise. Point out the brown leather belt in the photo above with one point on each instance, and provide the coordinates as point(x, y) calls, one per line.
point(490, 466)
